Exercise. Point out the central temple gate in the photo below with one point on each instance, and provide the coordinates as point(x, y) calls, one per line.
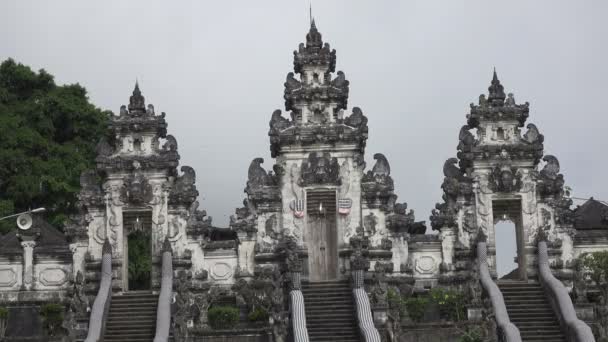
point(322, 235)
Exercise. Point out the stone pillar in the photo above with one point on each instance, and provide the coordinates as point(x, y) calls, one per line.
point(448, 238)
point(28, 245)
point(78, 250)
point(400, 251)
point(246, 253)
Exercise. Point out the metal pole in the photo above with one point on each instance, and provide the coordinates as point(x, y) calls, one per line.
point(37, 210)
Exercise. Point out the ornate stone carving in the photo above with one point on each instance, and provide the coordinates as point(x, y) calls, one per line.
point(466, 144)
point(257, 176)
point(359, 258)
point(505, 178)
point(244, 221)
point(136, 190)
point(79, 302)
point(369, 223)
point(356, 119)
point(199, 223)
point(267, 239)
point(533, 136)
point(402, 221)
point(469, 221)
point(90, 190)
point(551, 182)
point(443, 216)
point(377, 185)
point(103, 148)
point(320, 168)
point(455, 183)
point(170, 145)
point(184, 189)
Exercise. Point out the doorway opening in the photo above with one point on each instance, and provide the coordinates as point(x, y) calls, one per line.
point(138, 250)
point(508, 239)
point(322, 234)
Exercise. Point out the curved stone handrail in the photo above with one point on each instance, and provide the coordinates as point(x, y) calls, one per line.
point(101, 304)
point(364, 313)
point(507, 330)
point(576, 330)
point(298, 312)
point(163, 311)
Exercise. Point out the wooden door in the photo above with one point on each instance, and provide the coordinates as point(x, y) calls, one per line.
point(322, 235)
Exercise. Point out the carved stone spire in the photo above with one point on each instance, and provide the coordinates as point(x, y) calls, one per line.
point(315, 53)
point(316, 98)
point(137, 102)
point(496, 91)
point(313, 38)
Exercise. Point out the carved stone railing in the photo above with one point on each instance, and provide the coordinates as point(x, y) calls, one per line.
point(507, 331)
point(364, 312)
point(575, 329)
point(101, 305)
point(163, 312)
point(298, 313)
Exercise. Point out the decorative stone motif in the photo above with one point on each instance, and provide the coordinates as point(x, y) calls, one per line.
point(402, 221)
point(377, 185)
point(244, 221)
point(184, 189)
point(53, 276)
point(359, 260)
point(505, 178)
point(90, 194)
point(136, 189)
point(8, 277)
point(320, 168)
point(426, 264)
point(551, 182)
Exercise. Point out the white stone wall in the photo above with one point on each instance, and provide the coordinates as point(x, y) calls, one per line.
point(11, 274)
point(222, 266)
point(425, 259)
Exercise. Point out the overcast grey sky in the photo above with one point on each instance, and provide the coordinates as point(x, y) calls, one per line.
point(217, 69)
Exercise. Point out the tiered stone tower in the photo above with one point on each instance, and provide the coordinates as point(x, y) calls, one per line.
point(495, 178)
point(318, 193)
point(141, 193)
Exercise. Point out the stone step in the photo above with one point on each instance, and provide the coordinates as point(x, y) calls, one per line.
point(133, 309)
point(130, 335)
point(111, 325)
point(338, 319)
point(530, 310)
point(328, 296)
point(122, 316)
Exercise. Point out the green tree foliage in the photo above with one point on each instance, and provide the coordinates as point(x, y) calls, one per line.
point(140, 263)
point(48, 135)
point(596, 264)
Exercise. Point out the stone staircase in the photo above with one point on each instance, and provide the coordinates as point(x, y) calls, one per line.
point(330, 312)
point(132, 318)
point(530, 310)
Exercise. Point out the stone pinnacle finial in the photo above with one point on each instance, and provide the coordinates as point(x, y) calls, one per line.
point(496, 91)
point(137, 102)
point(313, 38)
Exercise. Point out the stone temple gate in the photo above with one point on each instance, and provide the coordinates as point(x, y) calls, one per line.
point(322, 246)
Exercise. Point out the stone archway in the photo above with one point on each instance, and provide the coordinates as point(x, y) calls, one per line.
point(137, 259)
point(510, 210)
